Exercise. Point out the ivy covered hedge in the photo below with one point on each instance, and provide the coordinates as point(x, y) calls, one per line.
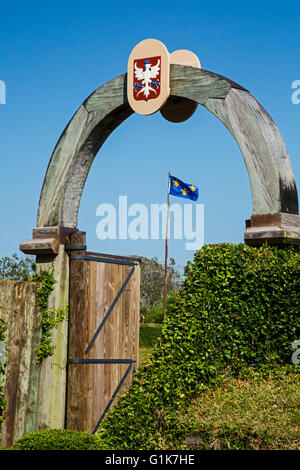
point(237, 313)
point(57, 439)
point(51, 317)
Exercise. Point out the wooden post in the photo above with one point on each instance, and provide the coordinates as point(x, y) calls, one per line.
point(166, 253)
point(21, 313)
point(46, 398)
point(76, 338)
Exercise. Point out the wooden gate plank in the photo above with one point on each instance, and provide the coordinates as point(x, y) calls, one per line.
point(76, 379)
point(94, 287)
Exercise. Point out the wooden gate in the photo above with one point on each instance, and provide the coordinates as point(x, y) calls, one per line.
point(103, 334)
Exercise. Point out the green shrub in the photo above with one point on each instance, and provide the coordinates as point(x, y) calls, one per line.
point(51, 317)
point(155, 314)
point(57, 439)
point(238, 312)
point(149, 334)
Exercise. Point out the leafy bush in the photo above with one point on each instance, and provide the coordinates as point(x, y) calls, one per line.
point(57, 439)
point(238, 311)
point(154, 314)
point(51, 317)
point(149, 334)
point(16, 268)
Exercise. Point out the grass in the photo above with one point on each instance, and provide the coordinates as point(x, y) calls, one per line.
point(253, 413)
point(247, 414)
point(144, 353)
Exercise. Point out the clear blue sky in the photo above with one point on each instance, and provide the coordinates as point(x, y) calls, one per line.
point(54, 54)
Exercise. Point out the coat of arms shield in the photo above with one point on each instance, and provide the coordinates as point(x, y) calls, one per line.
point(146, 78)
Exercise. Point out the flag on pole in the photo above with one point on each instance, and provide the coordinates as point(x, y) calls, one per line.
point(181, 189)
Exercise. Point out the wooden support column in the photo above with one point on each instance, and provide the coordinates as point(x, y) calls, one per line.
point(48, 244)
point(76, 380)
point(21, 313)
point(276, 229)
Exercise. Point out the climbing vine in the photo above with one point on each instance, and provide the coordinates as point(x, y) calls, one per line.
point(2, 371)
point(51, 317)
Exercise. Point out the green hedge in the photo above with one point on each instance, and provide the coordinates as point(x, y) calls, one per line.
point(238, 312)
point(149, 334)
point(57, 439)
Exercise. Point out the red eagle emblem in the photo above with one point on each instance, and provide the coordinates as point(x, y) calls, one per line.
point(146, 78)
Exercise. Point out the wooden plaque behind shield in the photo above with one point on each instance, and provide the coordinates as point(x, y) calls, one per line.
point(178, 109)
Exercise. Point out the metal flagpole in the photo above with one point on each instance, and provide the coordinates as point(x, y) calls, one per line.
point(166, 253)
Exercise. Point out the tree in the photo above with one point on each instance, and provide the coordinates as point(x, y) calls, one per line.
point(152, 281)
point(174, 278)
point(16, 268)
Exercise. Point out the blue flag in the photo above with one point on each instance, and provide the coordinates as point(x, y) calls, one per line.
point(181, 189)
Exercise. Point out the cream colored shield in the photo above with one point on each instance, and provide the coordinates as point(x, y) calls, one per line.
point(148, 76)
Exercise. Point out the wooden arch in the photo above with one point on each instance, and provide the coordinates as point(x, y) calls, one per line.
point(270, 173)
point(274, 194)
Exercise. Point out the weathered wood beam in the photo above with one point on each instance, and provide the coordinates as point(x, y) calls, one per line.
point(270, 173)
point(48, 243)
point(44, 246)
point(280, 219)
point(53, 370)
point(76, 339)
point(20, 311)
point(273, 235)
point(273, 228)
point(46, 240)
